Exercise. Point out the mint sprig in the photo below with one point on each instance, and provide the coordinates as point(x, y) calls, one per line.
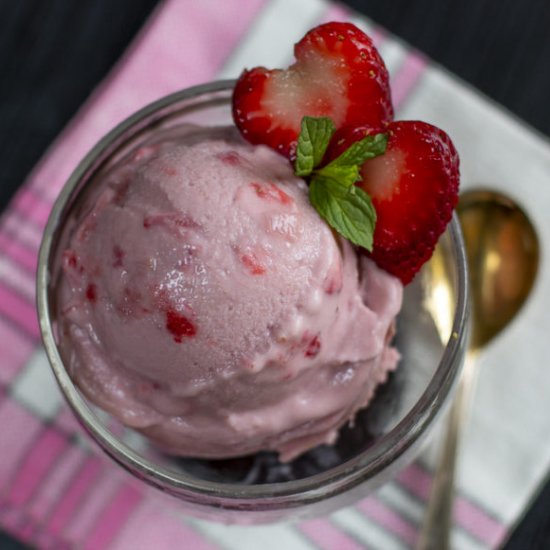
point(348, 209)
point(343, 205)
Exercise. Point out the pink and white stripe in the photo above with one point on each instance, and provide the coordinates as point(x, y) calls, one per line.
point(326, 536)
point(170, 531)
point(15, 350)
point(389, 519)
point(113, 517)
point(468, 516)
point(19, 311)
point(55, 483)
point(19, 253)
point(36, 466)
point(82, 484)
point(32, 206)
point(16, 227)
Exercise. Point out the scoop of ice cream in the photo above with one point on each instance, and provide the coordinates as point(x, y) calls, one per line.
point(206, 304)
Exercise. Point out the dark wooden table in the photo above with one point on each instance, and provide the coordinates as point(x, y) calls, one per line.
point(53, 53)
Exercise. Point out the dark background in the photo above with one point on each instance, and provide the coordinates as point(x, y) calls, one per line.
point(53, 53)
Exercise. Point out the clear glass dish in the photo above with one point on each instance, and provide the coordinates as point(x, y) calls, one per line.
point(431, 336)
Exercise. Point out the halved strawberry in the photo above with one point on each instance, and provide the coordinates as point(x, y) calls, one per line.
point(338, 73)
point(414, 189)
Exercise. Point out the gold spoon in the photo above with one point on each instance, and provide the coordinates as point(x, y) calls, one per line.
point(503, 254)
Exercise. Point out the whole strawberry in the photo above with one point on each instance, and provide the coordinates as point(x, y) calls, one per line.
point(338, 74)
point(413, 187)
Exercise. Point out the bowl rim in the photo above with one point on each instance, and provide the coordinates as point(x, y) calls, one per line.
point(343, 477)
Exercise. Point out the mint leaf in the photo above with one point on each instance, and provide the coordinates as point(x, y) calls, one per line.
point(344, 206)
point(360, 151)
point(313, 141)
point(348, 209)
point(345, 174)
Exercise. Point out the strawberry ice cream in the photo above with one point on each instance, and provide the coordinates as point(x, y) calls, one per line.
point(205, 303)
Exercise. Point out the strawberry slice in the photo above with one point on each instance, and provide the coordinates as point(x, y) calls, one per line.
point(338, 73)
point(414, 189)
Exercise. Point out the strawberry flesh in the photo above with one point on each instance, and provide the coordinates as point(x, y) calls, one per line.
point(338, 73)
point(414, 189)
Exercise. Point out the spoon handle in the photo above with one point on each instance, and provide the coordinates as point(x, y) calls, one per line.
point(436, 529)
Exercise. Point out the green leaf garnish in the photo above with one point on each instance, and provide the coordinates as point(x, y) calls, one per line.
point(344, 174)
point(362, 150)
point(343, 205)
point(313, 141)
point(348, 209)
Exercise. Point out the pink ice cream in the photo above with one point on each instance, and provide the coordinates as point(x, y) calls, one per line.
point(205, 303)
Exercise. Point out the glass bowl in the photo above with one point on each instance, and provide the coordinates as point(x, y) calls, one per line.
point(431, 335)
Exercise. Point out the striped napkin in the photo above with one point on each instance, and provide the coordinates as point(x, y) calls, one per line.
point(56, 491)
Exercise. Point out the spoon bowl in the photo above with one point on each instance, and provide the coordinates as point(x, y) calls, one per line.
point(502, 251)
point(503, 256)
